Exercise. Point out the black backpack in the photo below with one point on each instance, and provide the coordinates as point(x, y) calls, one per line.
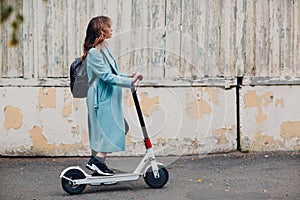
point(79, 84)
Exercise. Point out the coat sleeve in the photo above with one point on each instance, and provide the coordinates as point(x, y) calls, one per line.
point(102, 69)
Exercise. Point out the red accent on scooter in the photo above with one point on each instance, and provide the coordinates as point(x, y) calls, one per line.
point(148, 143)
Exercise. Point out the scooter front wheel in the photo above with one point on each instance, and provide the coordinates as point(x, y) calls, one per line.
point(68, 185)
point(156, 182)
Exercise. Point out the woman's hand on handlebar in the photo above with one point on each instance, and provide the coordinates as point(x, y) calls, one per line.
point(137, 77)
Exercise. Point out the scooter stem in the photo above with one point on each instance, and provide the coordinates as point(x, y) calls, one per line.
point(147, 140)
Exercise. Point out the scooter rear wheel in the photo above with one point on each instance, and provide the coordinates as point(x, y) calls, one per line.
point(156, 182)
point(69, 186)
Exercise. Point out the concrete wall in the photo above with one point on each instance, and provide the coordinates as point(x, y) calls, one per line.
point(270, 118)
point(179, 120)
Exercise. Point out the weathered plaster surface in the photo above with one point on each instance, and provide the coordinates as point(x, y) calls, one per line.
point(290, 129)
point(270, 118)
point(198, 101)
point(48, 121)
point(47, 98)
point(41, 146)
point(13, 118)
point(252, 100)
point(181, 123)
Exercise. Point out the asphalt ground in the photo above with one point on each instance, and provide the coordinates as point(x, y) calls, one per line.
point(221, 176)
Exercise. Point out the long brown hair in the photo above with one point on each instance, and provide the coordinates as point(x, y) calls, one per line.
point(95, 33)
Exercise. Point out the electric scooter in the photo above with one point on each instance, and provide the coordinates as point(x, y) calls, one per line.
point(74, 179)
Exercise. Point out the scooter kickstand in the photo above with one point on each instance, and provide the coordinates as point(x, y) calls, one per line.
point(68, 179)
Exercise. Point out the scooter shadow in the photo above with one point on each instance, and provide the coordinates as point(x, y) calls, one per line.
point(121, 186)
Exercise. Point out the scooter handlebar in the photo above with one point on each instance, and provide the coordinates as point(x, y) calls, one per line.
point(136, 84)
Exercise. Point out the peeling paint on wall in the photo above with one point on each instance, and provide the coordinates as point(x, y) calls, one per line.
point(40, 143)
point(270, 118)
point(128, 138)
point(213, 94)
point(279, 102)
point(67, 110)
point(76, 103)
point(68, 104)
point(148, 105)
point(47, 98)
point(13, 118)
point(252, 100)
point(220, 134)
point(267, 98)
point(262, 142)
point(75, 129)
point(290, 129)
point(38, 139)
point(260, 118)
point(280, 129)
point(198, 102)
point(198, 108)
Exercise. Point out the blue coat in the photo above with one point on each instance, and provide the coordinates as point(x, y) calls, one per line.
point(104, 102)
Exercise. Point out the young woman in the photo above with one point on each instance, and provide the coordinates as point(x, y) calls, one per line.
point(104, 98)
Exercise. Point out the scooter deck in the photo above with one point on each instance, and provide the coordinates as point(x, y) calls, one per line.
point(97, 180)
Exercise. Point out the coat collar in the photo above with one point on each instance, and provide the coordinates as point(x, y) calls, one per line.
point(110, 58)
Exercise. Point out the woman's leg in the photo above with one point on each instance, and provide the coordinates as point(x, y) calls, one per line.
point(101, 154)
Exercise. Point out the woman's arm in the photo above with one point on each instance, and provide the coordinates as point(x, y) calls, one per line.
point(96, 63)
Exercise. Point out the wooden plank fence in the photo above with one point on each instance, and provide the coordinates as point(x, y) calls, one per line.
point(167, 40)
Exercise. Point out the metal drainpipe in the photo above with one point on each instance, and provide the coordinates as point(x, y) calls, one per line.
point(238, 138)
